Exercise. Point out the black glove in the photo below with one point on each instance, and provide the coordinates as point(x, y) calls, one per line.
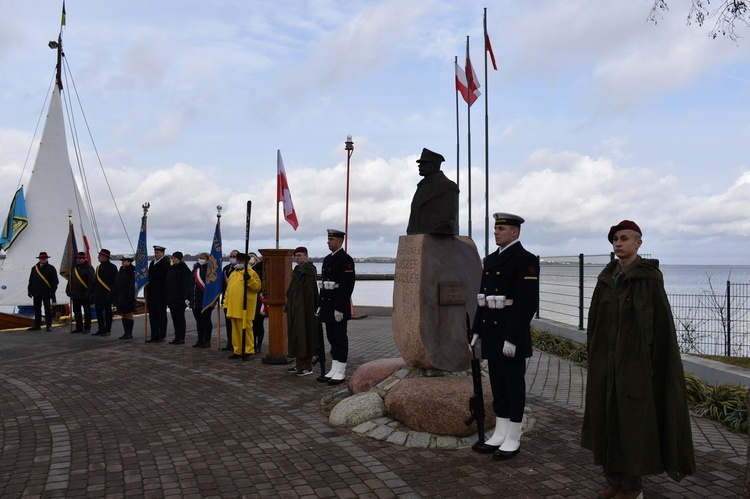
point(30, 295)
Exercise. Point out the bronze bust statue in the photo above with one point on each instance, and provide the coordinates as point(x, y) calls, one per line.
point(434, 208)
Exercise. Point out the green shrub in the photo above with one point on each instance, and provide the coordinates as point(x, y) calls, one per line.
point(697, 389)
point(723, 400)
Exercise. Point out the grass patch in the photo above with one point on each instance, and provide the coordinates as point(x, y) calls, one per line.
point(734, 361)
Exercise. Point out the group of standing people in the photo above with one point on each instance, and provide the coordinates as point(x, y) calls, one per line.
point(636, 420)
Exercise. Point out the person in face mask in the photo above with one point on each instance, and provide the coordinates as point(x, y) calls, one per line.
point(259, 332)
point(203, 322)
point(242, 282)
point(225, 272)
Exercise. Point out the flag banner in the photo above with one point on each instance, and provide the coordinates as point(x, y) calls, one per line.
point(16, 220)
point(462, 86)
point(69, 253)
point(488, 47)
point(62, 19)
point(282, 192)
point(214, 277)
point(472, 82)
point(141, 259)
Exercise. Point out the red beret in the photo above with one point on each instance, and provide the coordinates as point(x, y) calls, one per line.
point(300, 249)
point(625, 224)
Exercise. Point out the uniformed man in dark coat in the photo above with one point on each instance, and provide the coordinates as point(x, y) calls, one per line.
point(507, 300)
point(106, 275)
point(336, 304)
point(156, 296)
point(177, 287)
point(43, 283)
point(434, 208)
point(80, 288)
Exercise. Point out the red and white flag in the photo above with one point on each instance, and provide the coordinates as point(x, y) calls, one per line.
point(463, 86)
point(282, 192)
point(488, 46)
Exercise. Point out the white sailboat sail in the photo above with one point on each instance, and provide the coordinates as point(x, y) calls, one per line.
point(50, 193)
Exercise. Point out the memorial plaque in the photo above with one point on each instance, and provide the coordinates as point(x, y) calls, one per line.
point(452, 293)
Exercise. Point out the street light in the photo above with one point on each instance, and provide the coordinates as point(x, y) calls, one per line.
point(349, 147)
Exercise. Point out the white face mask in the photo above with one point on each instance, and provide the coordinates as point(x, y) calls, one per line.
point(232, 260)
point(240, 266)
point(201, 261)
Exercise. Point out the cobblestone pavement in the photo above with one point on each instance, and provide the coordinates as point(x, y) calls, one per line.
point(98, 417)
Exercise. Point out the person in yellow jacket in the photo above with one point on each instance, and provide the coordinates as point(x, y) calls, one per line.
point(233, 303)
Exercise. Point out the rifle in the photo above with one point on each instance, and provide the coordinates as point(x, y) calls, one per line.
point(476, 401)
point(245, 277)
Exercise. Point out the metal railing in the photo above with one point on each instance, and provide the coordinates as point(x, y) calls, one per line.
point(716, 322)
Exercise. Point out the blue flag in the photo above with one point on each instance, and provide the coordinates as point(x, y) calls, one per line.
point(16, 220)
point(214, 283)
point(141, 258)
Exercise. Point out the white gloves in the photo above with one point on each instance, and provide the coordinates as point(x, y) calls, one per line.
point(473, 341)
point(187, 303)
point(339, 316)
point(317, 311)
point(509, 349)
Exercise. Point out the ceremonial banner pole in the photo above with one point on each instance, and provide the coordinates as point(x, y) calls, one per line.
point(246, 275)
point(141, 267)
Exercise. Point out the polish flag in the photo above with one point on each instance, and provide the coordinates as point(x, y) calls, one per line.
point(282, 192)
point(463, 86)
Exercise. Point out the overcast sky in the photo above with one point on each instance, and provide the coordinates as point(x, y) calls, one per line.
point(595, 115)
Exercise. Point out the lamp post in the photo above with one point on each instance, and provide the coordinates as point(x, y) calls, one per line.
point(349, 147)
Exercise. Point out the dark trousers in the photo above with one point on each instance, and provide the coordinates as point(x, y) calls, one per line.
point(178, 321)
point(157, 318)
point(258, 331)
point(38, 302)
point(336, 333)
point(508, 382)
point(83, 319)
point(203, 324)
point(228, 327)
point(104, 318)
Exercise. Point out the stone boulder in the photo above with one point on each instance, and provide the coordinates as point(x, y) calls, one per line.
point(438, 405)
point(371, 373)
point(435, 285)
point(357, 409)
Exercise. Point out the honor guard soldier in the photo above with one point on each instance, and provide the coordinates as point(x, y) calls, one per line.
point(506, 303)
point(336, 304)
point(156, 295)
point(104, 280)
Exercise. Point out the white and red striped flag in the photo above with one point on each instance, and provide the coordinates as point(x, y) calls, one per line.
point(282, 192)
point(463, 86)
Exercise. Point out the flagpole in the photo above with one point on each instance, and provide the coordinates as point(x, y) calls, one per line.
point(469, 78)
point(486, 147)
point(278, 191)
point(144, 223)
point(219, 270)
point(458, 152)
point(70, 275)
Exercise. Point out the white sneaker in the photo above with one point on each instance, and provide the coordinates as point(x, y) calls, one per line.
point(303, 372)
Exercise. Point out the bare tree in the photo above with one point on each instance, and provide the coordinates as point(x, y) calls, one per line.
point(728, 14)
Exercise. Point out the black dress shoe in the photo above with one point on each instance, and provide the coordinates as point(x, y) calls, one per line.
point(204, 345)
point(174, 342)
point(86, 331)
point(323, 379)
point(152, 340)
point(161, 340)
point(34, 328)
point(228, 348)
point(336, 381)
point(98, 333)
point(48, 329)
point(105, 333)
point(126, 337)
point(197, 344)
point(484, 448)
point(504, 455)
point(234, 356)
point(77, 331)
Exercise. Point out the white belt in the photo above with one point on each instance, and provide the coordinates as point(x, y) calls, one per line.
point(494, 301)
point(329, 285)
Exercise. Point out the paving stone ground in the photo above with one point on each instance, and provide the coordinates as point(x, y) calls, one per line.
point(97, 417)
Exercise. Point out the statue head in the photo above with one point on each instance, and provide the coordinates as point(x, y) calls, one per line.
point(429, 162)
